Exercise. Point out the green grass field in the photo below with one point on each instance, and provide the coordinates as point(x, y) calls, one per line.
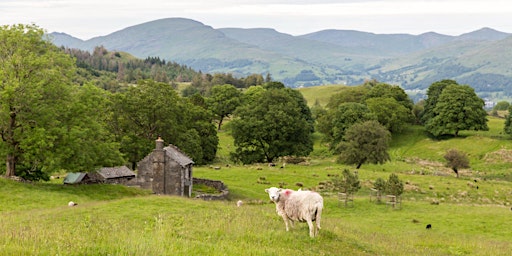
point(470, 215)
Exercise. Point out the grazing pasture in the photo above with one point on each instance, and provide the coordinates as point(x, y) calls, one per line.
point(141, 224)
point(470, 215)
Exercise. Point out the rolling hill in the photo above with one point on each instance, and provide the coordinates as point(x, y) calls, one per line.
point(478, 58)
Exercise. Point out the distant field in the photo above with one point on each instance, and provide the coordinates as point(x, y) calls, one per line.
point(322, 94)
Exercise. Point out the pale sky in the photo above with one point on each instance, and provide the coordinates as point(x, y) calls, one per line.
point(90, 18)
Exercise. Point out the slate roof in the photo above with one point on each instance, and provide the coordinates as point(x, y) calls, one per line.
point(174, 153)
point(115, 172)
point(74, 177)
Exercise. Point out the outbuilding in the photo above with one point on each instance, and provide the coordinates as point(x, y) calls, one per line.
point(166, 170)
point(115, 175)
point(77, 178)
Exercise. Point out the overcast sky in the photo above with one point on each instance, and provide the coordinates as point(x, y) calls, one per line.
point(90, 18)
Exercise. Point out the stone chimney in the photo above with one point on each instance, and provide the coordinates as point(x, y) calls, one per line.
point(159, 167)
point(159, 143)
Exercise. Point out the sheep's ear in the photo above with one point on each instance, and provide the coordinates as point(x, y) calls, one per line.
point(266, 190)
point(279, 190)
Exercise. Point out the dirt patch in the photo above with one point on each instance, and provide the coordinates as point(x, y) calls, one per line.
point(423, 162)
point(499, 156)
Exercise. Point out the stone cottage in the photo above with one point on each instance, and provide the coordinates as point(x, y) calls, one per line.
point(166, 170)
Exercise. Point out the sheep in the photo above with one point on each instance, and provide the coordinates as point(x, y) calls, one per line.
point(71, 203)
point(239, 203)
point(302, 206)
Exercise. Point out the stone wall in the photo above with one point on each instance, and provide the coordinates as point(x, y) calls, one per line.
point(217, 184)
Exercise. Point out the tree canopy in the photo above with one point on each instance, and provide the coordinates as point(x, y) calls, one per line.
point(365, 142)
point(46, 121)
point(270, 124)
point(390, 113)
point(508, 121)
point(433, 93)
point(335, 123)
point(223, 101)
point(457, 108)
point(456, 160)
point(152, 109)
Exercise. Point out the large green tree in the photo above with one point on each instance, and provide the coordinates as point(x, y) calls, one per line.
point(153, 109)
point(270, 124)
point(365, 142)
point(390, 113)
point(433, 93)
point(223, 101)
point(458, 108)
point(47, 123)
point(383, 90)
point(335, 123)
point(87, 143)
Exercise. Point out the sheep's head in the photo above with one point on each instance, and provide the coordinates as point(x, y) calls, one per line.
point(273, 194)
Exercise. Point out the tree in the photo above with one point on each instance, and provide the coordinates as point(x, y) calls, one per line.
point(433, 93)
point(47, 122)
point(223, 101)
point(34, 94)
point(270, 124)
point(335, 123)
point(380, 186)
point(501, 105)
point(382, 90)
point(87, 143)
point(348, 182)
point(456, 160)
point(365, 142)
point(458, 108)
point(394, 186)
point(152, 109)
point(393, 115)
point(508, 121)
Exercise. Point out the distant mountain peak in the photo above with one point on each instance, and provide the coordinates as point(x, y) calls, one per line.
point(323, 57)
point(484, 34)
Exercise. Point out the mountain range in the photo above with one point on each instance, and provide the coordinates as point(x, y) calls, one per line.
point(480, 58)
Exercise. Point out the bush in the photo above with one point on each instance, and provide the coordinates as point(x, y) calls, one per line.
point(394, 186)
point(348, 182)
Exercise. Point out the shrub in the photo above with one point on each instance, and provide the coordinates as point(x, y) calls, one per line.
point(394, 186)
point(348, 182)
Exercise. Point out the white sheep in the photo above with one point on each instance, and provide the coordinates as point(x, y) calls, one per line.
point(239, 203)
point(302, 206)
point(71, 203)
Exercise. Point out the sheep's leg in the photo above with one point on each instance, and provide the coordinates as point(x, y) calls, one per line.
point(318, 218)
point(285, 219)
point(312, 231)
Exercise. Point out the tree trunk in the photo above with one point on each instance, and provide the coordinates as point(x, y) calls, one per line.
point(359, 165)
point(10, 169)
point(456, 171)
point(10, 162)
point(220, 123)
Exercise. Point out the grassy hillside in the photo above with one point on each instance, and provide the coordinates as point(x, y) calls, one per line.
point(114, 220)
point(469, 215)
point(330, 56)
point(322, 94)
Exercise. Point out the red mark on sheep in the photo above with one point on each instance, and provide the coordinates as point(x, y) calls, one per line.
point(287, 192)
